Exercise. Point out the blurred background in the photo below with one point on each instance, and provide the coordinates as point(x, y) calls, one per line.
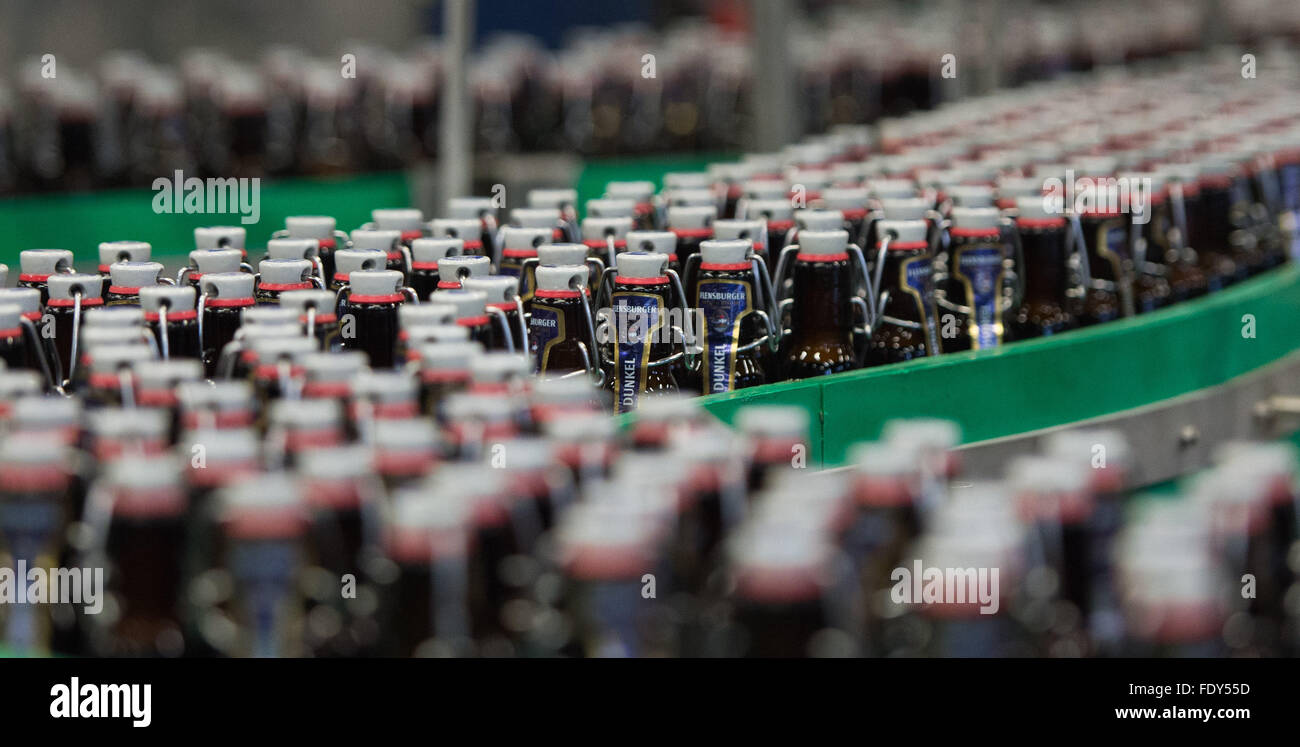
point(414, 102)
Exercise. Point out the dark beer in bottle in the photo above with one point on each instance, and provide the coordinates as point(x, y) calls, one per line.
point(905, 321)
point(502, 297)
point(821, 316)
point(320, 228)
point(348, 261)
point(203, 261)
point(35, 266)
point(316, 313)
point(469, 230)
point(387, 241)
point(171, 316)
point(975, 290)
point(518, 245)
point(559, 327)
point(372, 302)
point(692, 224)
point(112, 252)
point(71, 295)
point(224, 295)
point(127, 278)
point(727, 292)
point(426, 253)
point(1050, 301)
point(640, 301)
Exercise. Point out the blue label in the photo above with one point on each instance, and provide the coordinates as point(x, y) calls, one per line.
point(636, 319)
point(916, 277)
point(980, 269)
point(545, 331)
point(724, 303)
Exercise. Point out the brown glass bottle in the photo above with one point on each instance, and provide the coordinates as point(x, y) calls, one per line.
point(372, 303)
point(225, 296)
point(639, 302)
point(425, 255)
point(975, 282)
point(727, 293)
point(905, 327)
point(62, 305)
point(173, 305)
point(821, 318)
point(1047, 306)
point(558, 322)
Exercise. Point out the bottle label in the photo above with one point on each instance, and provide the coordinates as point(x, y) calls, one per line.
point(979, 268)
point(725, 304)
point(916, 279)
point(637, 319)
point(545, 331)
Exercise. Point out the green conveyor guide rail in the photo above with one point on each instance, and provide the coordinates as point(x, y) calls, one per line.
point(1051, 381)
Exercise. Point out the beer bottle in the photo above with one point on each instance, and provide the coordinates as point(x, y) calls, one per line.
point(1224, 201)
point(821, 317)
point(405, 450)
point(779, 217)
point(222, 237)
point(851, 203)
point(692, 224)
point(519, 245)
point(272, 364)
point(428, 538)
point(127, 278)
point(36, 487)
point(605, 548)
point(779, 576)
point(905, 317)
point(71, 295)
point(1054, 499)
point(15, 349)
point(263, 521)
point(297, 426)
point(276, 276)
point(171, 317)
point(753, 230)
point(156, 385)
point(472, 313)
point(411, 317)
point(112, 252)
point(1166, 234)
point(481, 210)
point(777, 439)
point(35, 266)
point(387, 241)
point(610, 207)
point(646, 215)
point(1151, 289)
point(316, 313)
point(372, 301)
point(425, 255)
point(144, 505)
point(217, 405)
point(641, 298)
point(453, 270)
point(549, 219)
point(605, 237)
point(503, 296)
point(223, 296)
point(203, 261)
point(409, 222)
point(551, 398)
point(560, 330)
point(304, 249)
point(348, 261)
point(321, 228)
point(444, 370)
point(564, 199)
point(584, 444)
point(975, 290)
point(733, 303)
point(329, 375)
point(470, 231)
point(111, 380)
point(1050, 302)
